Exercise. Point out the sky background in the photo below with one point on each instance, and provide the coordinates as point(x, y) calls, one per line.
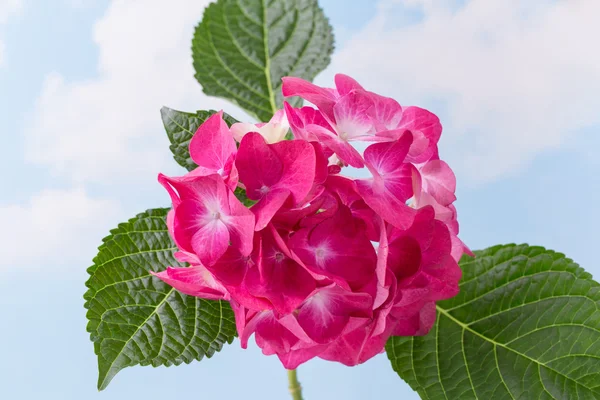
point(515, 84)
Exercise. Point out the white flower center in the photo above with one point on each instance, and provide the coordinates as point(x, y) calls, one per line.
point(279, 257)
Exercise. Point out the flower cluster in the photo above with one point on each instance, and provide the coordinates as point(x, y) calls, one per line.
point(299, 265)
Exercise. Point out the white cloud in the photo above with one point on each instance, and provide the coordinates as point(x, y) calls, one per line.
point(55, 228)
point(109, 128)
point(105, 130)
point(512, 78)
point(7, 8)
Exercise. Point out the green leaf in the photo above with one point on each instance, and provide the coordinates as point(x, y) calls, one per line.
point(242, 49)
point(180, 127)
point(526, 325)
point(241, 196)
point(135, 318)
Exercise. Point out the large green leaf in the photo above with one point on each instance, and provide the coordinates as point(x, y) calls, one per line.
point(526, 325)
point(136, 319)
point(242, 49)
point(180, 127)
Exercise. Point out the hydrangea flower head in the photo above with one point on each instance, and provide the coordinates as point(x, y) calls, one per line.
point(322, 264)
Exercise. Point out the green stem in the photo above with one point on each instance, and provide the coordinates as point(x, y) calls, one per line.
point(295, 388)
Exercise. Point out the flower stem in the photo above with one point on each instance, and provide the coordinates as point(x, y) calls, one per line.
point(295, 388)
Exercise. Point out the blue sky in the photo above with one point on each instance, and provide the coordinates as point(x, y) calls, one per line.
point(81, 83)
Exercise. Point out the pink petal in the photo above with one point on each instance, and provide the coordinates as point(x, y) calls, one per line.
point(439, 181)
point(382, 257)
point(347, 192)
point(164, 181)
point(387, 157)
point(291, 323)
point(337, 248)
point(185, 257)
point(383, 202)
point(324, 315)
point(240, 223)
point(258, 165)
point(321, 170)
point(345, 84)
point(300, 118)
point(383, 304)
point(271, 336)
point(299, 163)
point(323, 208)
point(267, 207)
point(194, 281)
point(385, 112)
point(293, 359)
point(212, 144)
point(404, 256)
point(334, 169)
point(392, 183)
point(424, 125)
point(277, 277)
point(209, 190)
point(352, 118)
point(170, 220)
point(443, 213)
point(343, 149)
point(230, 173)
point(230, 270)
point(424, 255)
point(189, 217)
point(418, 324)
point(210, 242)
point(323, 98)
point(319, 208)
point(356, 347)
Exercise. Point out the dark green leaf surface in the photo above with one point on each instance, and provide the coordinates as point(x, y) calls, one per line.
point(180, 127)
point(242, 49)
point(526, 325)
point(136, 319)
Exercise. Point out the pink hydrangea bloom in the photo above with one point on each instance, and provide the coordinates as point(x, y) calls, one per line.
point(321, 265)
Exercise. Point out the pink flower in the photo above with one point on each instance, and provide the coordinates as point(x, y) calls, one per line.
point(274, 173)
point(207, 216)
point(391, 184)
point(300, 266)
point(345, 109)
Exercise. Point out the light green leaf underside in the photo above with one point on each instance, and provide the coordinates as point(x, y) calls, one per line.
point(136, 319)
point(180, 127)
point(242, 49)
point(526, 325)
